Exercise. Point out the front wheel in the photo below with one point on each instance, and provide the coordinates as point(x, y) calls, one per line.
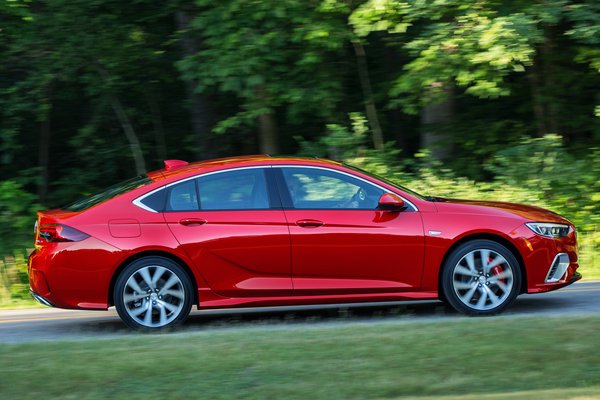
point(481, 277)
point(152, 293)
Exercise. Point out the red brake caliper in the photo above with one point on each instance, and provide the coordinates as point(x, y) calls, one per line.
point(496, 271)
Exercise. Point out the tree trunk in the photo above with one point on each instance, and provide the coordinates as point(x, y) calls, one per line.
point(536, 101)
point(159, 131)
point(365, 83)
point(396, 117)
point(44, 158)
point(200, 110)
point(398, 125)
point(267, 129)
point(134, 143)
point(434, 120)
point(267, 125)
point(543, 86)
point(548, 71)
point(44, 144)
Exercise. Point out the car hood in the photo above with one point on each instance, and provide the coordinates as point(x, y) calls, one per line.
point(498, 208)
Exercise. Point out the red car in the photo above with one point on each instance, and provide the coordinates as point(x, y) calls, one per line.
point(274, 231)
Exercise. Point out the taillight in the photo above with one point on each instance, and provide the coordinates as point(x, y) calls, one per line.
point(51, 233)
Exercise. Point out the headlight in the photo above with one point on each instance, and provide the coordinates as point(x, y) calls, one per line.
point(548, 229)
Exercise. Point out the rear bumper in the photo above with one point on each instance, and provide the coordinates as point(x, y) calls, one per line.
point(72, 275)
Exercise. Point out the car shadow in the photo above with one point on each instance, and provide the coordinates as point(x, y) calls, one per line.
point(239, 318)
point(319, 314)
point(272, 316)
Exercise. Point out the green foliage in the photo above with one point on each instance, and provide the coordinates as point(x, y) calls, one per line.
point(476, 51)
point(268, 54)
point(339, 142)
point(570, 184)
point(474, 47)
point(14, 282)
point(17, 213)
point(381, 15)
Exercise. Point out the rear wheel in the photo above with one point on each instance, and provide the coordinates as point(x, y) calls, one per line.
point(481, 277)
point(152, 293)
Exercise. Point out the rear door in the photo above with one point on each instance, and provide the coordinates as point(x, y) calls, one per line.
point(233, 228)
point(341, 243)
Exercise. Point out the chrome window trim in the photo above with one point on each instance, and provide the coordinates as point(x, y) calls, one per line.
point(138, 201)
point(414, 207)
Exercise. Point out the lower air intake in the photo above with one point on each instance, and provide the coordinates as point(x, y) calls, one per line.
point(558, 268)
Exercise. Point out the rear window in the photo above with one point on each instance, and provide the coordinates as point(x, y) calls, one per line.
point(108, 193)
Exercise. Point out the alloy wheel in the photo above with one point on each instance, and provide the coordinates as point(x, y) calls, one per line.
point(154, 296)
point(483, 279)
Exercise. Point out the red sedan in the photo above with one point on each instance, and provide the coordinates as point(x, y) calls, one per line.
point(269, 231)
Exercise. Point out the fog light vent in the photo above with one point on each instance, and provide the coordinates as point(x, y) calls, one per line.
point(558, 268)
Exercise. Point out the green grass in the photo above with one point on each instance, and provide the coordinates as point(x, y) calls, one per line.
point(496, 358)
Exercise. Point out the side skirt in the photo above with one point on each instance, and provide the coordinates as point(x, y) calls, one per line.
point(209, 299)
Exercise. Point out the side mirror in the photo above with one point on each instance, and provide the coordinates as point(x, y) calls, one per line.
point(391, 202)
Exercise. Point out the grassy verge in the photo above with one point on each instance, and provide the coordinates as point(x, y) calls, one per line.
point(483, 358)
point(18, 304)
point(590, 275)
point(14, 283)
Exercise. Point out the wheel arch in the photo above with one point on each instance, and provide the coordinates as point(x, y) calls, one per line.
point(488, 236)
point(147, 253)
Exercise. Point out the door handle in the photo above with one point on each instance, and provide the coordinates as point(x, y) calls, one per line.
point(192, 221)
point(309, 223)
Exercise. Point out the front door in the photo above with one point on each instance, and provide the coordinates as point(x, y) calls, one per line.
point(341, 243)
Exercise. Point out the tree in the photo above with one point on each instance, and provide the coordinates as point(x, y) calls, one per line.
point(269, 56)
point(102, 54)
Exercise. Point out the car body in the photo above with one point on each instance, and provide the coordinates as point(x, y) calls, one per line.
point(275, 231)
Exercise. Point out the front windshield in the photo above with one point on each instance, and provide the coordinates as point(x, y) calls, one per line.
point(108, 193)
point(391, 183)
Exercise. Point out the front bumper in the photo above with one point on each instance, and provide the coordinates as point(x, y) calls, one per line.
point(553, 286)
point(550, 263)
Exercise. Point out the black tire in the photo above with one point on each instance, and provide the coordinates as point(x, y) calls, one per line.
point(134, 294)
point(469, 289)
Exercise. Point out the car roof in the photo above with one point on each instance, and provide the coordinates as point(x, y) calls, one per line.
point(231, 162)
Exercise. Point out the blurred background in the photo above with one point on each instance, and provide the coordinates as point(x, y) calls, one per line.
point(495, 100)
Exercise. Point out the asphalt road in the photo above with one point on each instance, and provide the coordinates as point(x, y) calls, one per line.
point(41, 324)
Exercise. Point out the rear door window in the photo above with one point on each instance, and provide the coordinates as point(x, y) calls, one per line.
point(242, 189)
